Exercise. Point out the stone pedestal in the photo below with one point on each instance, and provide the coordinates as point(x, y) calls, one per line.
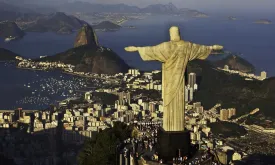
point(169, 144)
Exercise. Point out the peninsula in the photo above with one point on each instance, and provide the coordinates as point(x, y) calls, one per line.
point(87, 56)
point(235, 62)
point(57, 22)
point(6, 55)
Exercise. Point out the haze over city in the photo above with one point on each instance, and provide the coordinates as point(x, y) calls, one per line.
point(233, 5)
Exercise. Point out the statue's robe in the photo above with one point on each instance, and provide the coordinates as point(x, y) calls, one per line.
point(174, 56)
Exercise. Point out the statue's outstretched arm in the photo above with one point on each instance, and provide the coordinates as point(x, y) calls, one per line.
point(131, 49)
point(201, 52)
point(152, 53)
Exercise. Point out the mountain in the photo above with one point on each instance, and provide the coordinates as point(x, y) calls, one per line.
point(86, 36)
point(87, 56)
point(10, 12)
point(160, 8)
point(6, 55)
point(86, 7)
point(236, 63)
point(88, 59)
point(13, 8)
point(55, 23)
point(10, 29)
point(107, 25)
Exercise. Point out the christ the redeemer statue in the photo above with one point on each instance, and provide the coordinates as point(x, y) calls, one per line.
point(174, 56)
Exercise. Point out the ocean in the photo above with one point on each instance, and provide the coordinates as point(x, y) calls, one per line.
point(256, 43)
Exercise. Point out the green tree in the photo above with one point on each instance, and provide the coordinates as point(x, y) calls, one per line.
point(102, 150)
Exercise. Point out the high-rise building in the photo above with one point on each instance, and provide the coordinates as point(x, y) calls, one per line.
point(224, 114)
point(133, 72)
point(191, 94)
point(197, 104)
point(152, 107)
point(18, 113)
point(263, 75)
point(231, 112)
point(145, 105)
point(222, 157)
point(226, 67)
point(88, 96)
point(199, 109)
point(124, 96)
point(186, 96)
point(192, 79)
point(195, 87)
point(198, 136)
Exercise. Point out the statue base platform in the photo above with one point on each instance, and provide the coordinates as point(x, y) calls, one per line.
point(171, 143)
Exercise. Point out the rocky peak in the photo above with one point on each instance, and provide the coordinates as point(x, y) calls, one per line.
point(86, 36)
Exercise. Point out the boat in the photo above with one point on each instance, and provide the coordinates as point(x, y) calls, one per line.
point(8, 39)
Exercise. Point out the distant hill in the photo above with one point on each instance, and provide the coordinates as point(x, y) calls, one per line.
point(79, 6)
point(85, 7)
point(87, 56)
point(10, 29)
point(231, 90)
point(160, 8)
point(6, 55)
point(26, 7)
point(9, 12)
point(107, 25)
point(236, 63)
point(55, 23)
point(14, 8)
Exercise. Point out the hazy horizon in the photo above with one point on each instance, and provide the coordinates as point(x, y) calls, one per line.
point(257, 6)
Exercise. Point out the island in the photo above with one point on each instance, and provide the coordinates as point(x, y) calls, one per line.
point(107, 26)
point(10, 31)
point(192, 13)
point(231, 18)
point(263, 21)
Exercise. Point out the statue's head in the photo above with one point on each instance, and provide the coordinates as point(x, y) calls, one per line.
point(174, 33)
